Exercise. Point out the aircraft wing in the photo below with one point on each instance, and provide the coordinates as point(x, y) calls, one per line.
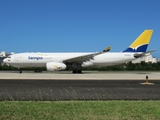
point(137, 55)
point(84, 58)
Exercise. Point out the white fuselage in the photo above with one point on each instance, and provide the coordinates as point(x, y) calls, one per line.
point(40, 59)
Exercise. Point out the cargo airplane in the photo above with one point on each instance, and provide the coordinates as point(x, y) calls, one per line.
point(76, 61)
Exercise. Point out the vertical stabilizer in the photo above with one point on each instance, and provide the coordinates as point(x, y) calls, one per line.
point(141, 43)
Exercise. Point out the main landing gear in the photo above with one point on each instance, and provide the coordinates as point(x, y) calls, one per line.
point(76, 67)
point(76, 71)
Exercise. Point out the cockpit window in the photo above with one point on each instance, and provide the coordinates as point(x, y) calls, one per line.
point(9, 57)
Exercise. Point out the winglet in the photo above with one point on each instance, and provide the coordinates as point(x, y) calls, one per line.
point(141, 43)
point(107, 49)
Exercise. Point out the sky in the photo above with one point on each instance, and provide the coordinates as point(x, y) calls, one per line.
point(77, 25)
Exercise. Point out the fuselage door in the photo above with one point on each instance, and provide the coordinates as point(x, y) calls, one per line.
point(17, 61)
point(16, 58)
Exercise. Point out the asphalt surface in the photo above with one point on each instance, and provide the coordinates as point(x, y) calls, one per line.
point(53, 90)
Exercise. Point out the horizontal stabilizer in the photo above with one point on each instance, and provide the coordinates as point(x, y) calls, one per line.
point(137, 55)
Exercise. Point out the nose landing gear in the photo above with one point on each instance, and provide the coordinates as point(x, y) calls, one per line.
point(19, 70)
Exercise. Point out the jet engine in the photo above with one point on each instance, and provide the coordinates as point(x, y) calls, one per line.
point(55, 66)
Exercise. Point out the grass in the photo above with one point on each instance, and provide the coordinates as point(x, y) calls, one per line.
point(80, 110)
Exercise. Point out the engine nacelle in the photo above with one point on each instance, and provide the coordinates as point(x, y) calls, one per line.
point(55, 66)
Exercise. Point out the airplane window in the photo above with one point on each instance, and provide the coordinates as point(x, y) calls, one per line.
point(9, 56)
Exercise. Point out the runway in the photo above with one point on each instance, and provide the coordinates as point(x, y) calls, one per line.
point(91, 85)
point(53, 90)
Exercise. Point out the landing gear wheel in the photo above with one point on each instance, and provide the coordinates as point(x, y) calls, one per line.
point(19, 70)
point(76, 71)
point(79, 71)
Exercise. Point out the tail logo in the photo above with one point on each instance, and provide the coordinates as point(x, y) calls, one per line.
point(141, 43)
